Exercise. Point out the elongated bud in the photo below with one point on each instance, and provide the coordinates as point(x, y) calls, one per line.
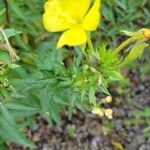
point(136, 51)
point(142, 34)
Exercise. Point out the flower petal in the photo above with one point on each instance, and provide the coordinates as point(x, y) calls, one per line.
point(97, 111)
point(72, 37)
point(77, 8)
point(92, 18)
point(108, 99)
point(108, 113)
point(55, 18)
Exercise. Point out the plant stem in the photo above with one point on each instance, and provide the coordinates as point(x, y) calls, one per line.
point(9, 47)
point(121, 65)
point(89, 42)
point(7, 12)
point(82, 47)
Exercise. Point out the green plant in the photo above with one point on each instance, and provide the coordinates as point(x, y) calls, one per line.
point(50, 81)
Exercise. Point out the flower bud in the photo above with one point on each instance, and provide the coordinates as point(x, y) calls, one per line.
point(146, 33)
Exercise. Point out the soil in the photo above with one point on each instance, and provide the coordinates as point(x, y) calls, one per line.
point(89, 132)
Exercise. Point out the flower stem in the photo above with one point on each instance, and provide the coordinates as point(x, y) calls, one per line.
point(89, 42)
point(7, 11)
point(82, 47)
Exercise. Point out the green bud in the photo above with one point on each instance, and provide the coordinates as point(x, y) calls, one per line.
point(136, 51)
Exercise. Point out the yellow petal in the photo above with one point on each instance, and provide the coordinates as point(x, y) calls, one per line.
point(108, 113)
point(92, 18)
point(108, 99)
point(72, 37)
point(77, 8)
point(117, 145)
point(55, 18)
point(97, 111)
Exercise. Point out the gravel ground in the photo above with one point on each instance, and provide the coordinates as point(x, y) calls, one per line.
point(89, 132)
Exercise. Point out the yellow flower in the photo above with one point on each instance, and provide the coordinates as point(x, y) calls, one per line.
point(74, 17)
point(108, 113)
point(97, 111)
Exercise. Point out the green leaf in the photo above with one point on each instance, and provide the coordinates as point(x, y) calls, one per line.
point(115, 75)
point(20, 106)
point(146, 112)
point(92, 95)
point(10, 32)
point(128, 33)
point(103, 88)
point(13, 66)
point(9, 129)
point(4, 57)
point(147, 132)
point(2, 11)
point(49, 107)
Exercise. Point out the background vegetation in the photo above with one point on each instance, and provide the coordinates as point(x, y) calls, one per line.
point(40, 68)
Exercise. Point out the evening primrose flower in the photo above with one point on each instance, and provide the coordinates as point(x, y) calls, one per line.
point(74, 17)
